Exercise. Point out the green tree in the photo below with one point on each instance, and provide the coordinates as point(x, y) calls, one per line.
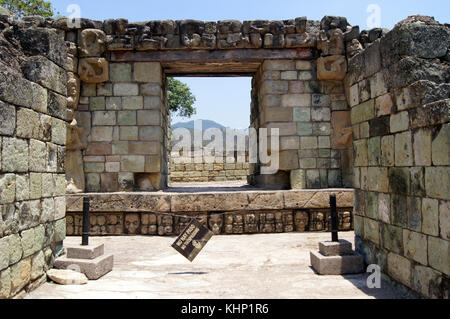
point(28, 7)
point(181, 99)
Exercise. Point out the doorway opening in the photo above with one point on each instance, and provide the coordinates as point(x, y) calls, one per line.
point(210, 148)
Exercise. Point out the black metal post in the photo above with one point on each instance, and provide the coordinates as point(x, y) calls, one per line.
point(86, 222)
point(334, 219)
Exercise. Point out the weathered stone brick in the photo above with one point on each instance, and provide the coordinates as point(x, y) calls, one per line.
point(59, 129)
point(133, 163)
point(298, 180)
point(304, 128)
point(127, 118)
point(415, 247)
point(120, 72)
point(392, 237)
point(438, 254)
point(126, 89)
point(384, 208)
point(7, 119)
point(400, 180)
point(278, 114)
point(35, 186)
point(302, 114)
point(93, 182)
point(148, 117)
point(374, 151)
point(440, 146)
point(399, 212)
point(104, 118)
point(296, 100)
point(361, 153)
point(104, 89)
point(403, 149)
point(308, 142)
point(132, 103)
point(384, 105)
point(152, 102)
point(399, 122)
point(101, 134)
point(151, 89)
point(147, 72)
point(97, 103)
point(444, 218)
point(387, 150)
point(27, 123)
point(437, 186)
point(14, 155)
point(38, 156)
point(414, 209)
point(20, 275)
point(44, 72)
point(274, 87)
point(399, 268)
point(422, 147)
point(289, 75)
point(363, 112)
point(94, 167)
point(153, 164)
point(372, 230)
point(279, 65)
point(430, 215)
point(113, 103)
point(425, 280)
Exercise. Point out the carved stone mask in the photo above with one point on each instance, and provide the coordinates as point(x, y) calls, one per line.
point(216, 224)
point(132, 223)
point(301, 221)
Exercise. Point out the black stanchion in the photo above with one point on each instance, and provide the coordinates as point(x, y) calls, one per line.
point(334, 219)
point(86, 223)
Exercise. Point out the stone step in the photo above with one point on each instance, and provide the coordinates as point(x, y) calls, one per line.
point(85, 252)
point(337, 265)
point(341, 248)
point(92, 268)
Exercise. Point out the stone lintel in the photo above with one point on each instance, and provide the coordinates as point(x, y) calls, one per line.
point(201, 56)
point(210, 202)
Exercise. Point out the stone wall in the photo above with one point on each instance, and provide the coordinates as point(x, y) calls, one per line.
point(186, 169)
point(122, 115)
point(224, 213)
point(398, 88)
point(32, 149)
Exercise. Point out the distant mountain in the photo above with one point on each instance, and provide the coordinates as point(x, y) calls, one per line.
point(206, 124)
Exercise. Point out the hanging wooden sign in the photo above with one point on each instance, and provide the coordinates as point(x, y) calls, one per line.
point(192, 240)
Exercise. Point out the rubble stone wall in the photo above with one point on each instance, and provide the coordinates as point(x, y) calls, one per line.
point(186, 169)
point(398, 89)
point(32, 152)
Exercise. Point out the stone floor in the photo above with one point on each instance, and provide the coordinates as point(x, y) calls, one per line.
point(272, 266)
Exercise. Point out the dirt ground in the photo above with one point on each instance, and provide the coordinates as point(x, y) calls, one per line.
point(272, 266)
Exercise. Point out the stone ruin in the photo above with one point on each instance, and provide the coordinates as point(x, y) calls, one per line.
point(84, 112)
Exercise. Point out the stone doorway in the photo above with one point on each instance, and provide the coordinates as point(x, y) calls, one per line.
point(211, 147)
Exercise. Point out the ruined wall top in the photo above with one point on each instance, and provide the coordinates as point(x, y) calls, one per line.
point(119, 34)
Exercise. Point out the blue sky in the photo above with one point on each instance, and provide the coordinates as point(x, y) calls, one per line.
point(214, 100)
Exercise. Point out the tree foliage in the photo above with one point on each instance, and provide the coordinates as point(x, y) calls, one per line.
point(28, 7)
point(181, 99)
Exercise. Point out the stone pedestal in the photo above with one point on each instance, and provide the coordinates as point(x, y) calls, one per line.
point(89, 260)
point(337, 258)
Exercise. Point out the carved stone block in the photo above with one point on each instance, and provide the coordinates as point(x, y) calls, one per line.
point(92, 43)
point(332, 67)
point(93, 70)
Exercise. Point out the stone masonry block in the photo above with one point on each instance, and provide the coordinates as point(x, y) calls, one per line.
point(147, 72)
